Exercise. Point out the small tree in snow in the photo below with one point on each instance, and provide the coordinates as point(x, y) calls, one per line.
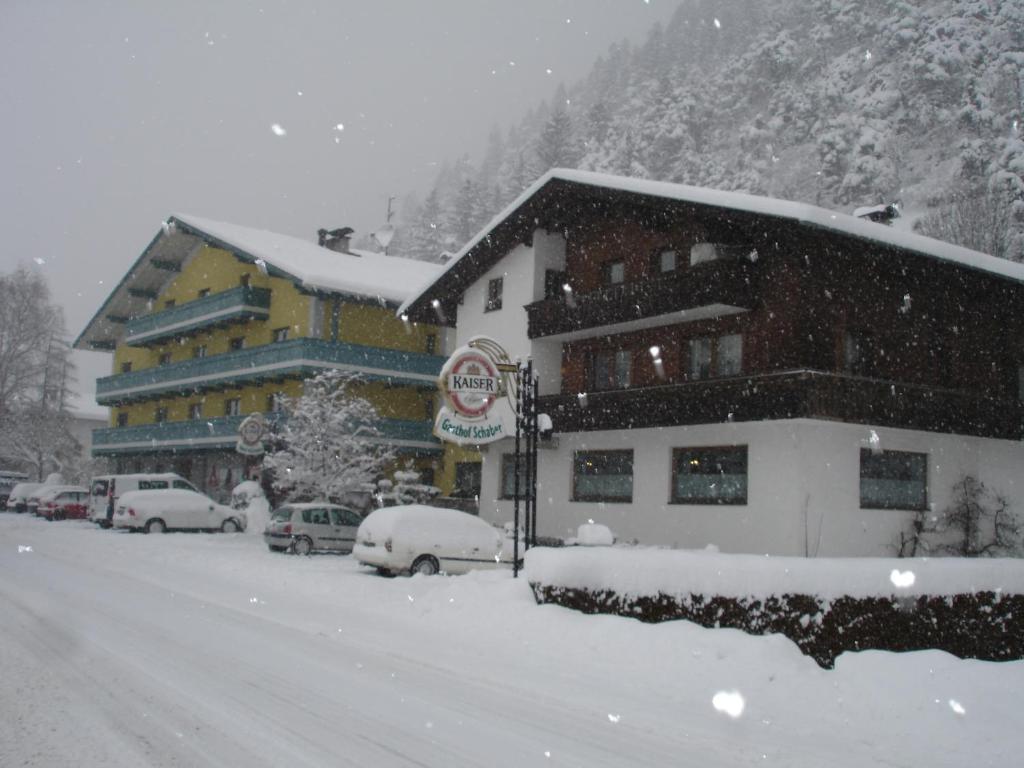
point(327, 442)
point(977, 523)
point(983, 220)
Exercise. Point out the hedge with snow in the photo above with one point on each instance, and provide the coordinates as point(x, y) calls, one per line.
point(970, 608)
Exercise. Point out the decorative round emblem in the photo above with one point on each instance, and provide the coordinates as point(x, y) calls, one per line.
point(470, 383)
point(251, 430)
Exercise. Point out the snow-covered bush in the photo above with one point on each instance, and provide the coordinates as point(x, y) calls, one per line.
point(326, 441)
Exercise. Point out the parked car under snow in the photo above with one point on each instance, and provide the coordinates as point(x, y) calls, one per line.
point(419, 539)
point(164, 509)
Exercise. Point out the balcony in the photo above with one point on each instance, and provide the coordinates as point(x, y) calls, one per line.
point(288, 359)
point(790, 395)
point(235, 305)
point(705, 290)
point(222, 434)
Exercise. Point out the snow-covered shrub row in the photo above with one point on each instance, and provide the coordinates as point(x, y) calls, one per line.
point(972, 609)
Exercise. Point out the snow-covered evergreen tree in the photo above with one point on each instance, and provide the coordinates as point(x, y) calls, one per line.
point(328, 443)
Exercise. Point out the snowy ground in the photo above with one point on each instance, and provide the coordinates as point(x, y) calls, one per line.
point(123, 649)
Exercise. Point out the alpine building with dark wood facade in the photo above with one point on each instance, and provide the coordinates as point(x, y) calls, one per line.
point(729, 370)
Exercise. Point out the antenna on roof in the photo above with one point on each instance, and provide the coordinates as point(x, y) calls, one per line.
point(384, 235)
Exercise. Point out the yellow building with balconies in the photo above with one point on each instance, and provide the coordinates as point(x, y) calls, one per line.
point(215, 321)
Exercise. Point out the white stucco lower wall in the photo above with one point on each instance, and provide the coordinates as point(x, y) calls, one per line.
point(803, 486)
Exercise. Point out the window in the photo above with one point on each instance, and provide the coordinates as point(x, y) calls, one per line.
point(126, 367)
point(199, 351)
point(183, 484)
point(722, 356)
point(275, 402)
point(122, 419)
point(427, 476)
point(494, 289)
point(430, 343)
point(508, 477)
point(700, 358)
point(280, 334)
point(160, 415)
point(428, 409)
point(232, 406)
point(614, 272)
point(730, 354)
point(169, 303)
point(609, 369)
point(236, 343)
point(554, 280)
point(316, 517)
point(345, 517)
point(666, 260)
point(602, 476)
point(245, 280)
point(203, 293)
point(859, 353)
point(152, 485)
point(164, 359)
point(709, 475)
point(467, 480)
point(893, 479)
point(195, 410)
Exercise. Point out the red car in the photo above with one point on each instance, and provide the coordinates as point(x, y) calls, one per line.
point(64, 503)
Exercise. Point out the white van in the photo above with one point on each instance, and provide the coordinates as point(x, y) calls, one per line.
point(103, 487)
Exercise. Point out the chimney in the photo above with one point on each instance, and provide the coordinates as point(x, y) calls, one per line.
point(335, 239)
point(883, 213)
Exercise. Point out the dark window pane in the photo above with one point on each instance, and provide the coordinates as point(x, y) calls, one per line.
point(709, 475)
point(603, 476)
point(893, 479)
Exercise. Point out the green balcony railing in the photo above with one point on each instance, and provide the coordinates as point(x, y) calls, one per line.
point(286, 359)
point(241, 303)
point(222, 433)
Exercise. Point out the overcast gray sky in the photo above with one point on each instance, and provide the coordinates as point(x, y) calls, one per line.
point(117, 114)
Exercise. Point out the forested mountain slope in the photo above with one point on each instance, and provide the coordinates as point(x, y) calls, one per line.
point(832, 102)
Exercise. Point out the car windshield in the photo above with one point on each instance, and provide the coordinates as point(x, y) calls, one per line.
point(283, 514)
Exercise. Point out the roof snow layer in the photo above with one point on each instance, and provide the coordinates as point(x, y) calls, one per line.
point(783, 209)
point(360, 273)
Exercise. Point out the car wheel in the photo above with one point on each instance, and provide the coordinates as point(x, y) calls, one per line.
point(302, 546)
point(426, 565)
point(385, 572)
point(58, 515)
point(230, 526)
point(156, 525)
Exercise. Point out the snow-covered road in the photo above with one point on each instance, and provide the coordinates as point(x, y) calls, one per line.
point(193, 650)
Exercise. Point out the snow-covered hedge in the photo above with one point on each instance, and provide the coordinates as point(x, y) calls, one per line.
point(970, 608)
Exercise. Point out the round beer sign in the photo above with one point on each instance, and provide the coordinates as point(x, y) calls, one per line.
point(470, 383)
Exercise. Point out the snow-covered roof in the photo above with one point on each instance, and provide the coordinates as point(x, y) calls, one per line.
point(361, 273)
point(364, 274)
point(802, 213)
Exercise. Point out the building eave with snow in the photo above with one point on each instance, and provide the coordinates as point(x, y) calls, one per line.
point(730, 370)
point(215, 321)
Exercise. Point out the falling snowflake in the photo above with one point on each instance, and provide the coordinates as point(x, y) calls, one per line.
point(957, 707)
point(261, 265)
point(730, 703)
point(614, 718)
point(39, 261)
point(278, 130)
point(902, 579)
point(718, 24)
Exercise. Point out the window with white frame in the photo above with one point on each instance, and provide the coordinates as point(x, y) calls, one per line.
point(195, 411)
point(233, 406)
point(715, 356)
point(494, 290)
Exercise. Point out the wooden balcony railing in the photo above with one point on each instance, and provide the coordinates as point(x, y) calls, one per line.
point(237, 304)
point(790, 395)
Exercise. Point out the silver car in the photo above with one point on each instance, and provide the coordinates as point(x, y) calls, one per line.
point(303, 528)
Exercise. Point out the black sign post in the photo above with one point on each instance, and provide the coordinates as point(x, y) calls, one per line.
point(525, 459)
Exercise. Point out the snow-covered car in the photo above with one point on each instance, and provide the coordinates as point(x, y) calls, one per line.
point(419, 539)
point(18, 499)
point(106, 490)
point(64, 502)
point(164, 509)
point(33, 500)
point(303, 528)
